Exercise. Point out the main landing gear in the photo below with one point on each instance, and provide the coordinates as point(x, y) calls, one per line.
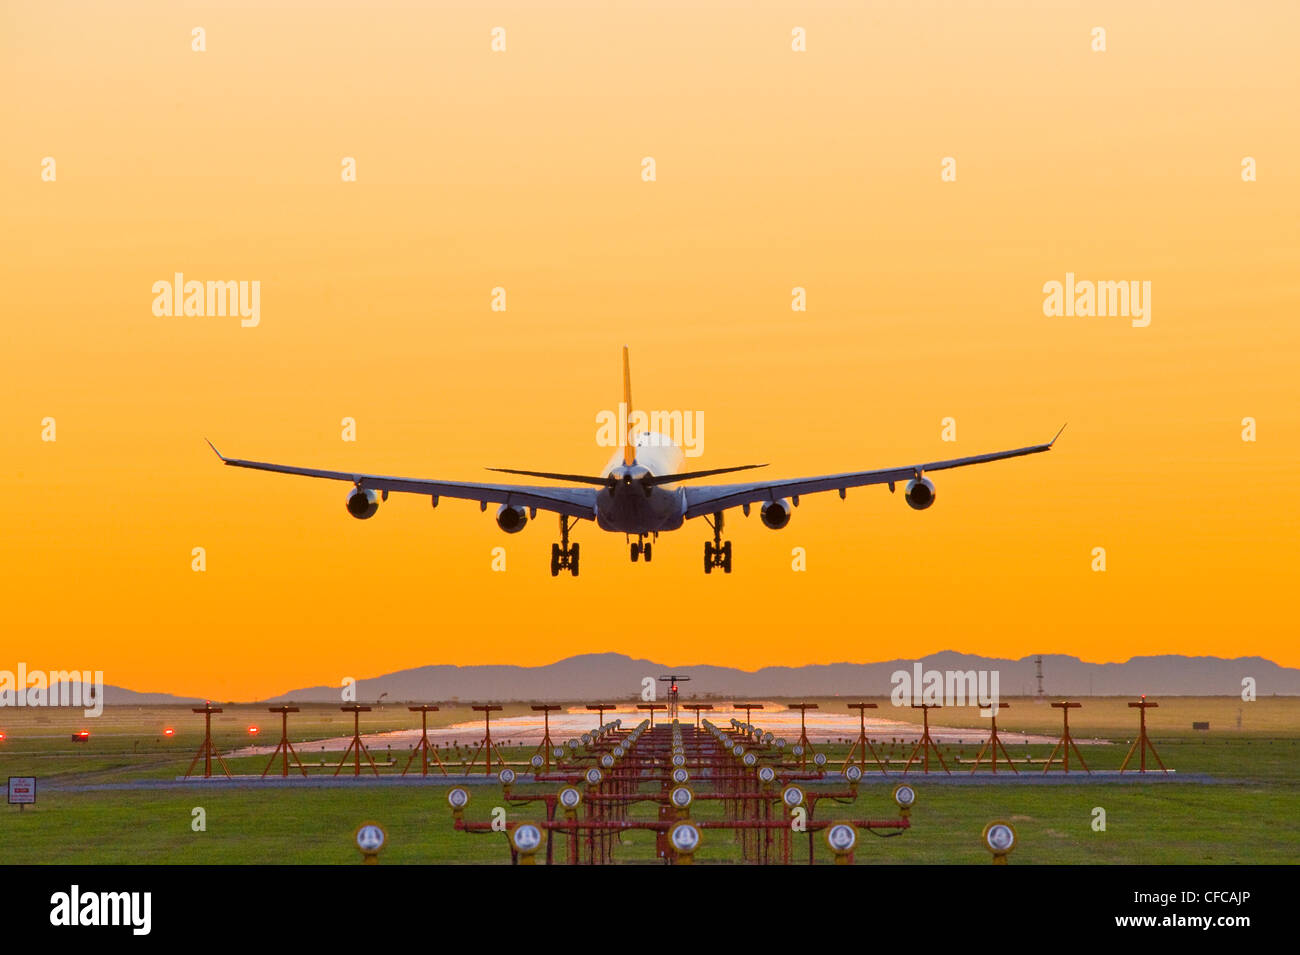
point(641, 549)
point(717, 552)
point(564, 556)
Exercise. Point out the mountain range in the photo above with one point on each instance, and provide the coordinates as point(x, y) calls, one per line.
point(617, 677)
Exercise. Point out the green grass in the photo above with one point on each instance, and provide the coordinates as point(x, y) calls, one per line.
point(1157, 823)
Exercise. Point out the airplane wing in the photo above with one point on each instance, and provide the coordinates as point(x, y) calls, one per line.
point(719, 497)
point(577, 502)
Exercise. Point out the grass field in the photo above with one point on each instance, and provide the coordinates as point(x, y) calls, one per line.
point(1249, 814)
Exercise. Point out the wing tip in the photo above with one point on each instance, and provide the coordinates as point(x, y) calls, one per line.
point(1058, 434)
point(215, 451)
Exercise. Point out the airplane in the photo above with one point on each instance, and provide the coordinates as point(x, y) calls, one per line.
point(643, 491)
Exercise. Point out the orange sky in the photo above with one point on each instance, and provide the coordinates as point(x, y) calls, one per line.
point(522, 169)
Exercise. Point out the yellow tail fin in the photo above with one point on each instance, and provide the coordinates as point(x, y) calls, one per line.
point(629, 452)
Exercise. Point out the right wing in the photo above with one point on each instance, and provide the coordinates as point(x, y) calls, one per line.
point(577, 502)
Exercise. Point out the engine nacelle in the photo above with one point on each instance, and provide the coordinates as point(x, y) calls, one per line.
point(511, 519)
point(775, 514)
point(362, 503)
point(919, 494)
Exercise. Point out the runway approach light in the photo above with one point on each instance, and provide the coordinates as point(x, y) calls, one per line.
point(537, 762)
point(685, 839)
point(526, 839)
point(819, 760)
point(458, 799)
point(840, 839)
point(370, 838)
point(792, 796)
point(682, 797)
point(853, 774)
point(905, 796)
point(507, 778)
point(679, 759)
point(169, 732)
point(680, 776)
point(999, 839)
point(570, 798)
point(766, 774)
point(594, 776)
point(252, 731)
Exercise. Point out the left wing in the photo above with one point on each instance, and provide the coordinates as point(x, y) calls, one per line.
point(577, 502)
point(719, 497)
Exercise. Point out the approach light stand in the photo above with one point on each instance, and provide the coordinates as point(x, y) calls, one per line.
point(600, 709)
point(672, 679)
point(207, 750)
point(1066, 742)
point(862, 745)
point(696, 707)
point(652, 707)
point(1143, 742)
point(994, 743)
point(747, 707)
point(356, 746)
point(487, 747)
point(925, 743)
point(284, 748)
point(424, 748)
point(546, 709)
point(804, 744)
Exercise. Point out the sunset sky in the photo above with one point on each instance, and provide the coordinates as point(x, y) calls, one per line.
point(522, 169)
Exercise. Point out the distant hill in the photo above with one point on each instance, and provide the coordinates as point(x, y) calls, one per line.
point(118, 696)
point(619, 677)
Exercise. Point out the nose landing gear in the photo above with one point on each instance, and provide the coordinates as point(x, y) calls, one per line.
point(717, 552)
point(564, 556)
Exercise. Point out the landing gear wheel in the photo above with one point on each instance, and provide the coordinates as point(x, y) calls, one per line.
point(645, 550)
point(717, 552)
point(636, 552)
point(564, 556)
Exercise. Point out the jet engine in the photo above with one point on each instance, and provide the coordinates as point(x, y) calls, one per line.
point(511, 519)
point(776, 514)
point(362, 503)
point(919, 494)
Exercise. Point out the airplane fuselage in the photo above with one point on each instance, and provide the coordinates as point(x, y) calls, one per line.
point(627, 508)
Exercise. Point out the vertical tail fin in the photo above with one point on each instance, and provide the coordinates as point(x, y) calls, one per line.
point(629, 452)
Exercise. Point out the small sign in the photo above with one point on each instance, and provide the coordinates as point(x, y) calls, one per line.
point(22, 790)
